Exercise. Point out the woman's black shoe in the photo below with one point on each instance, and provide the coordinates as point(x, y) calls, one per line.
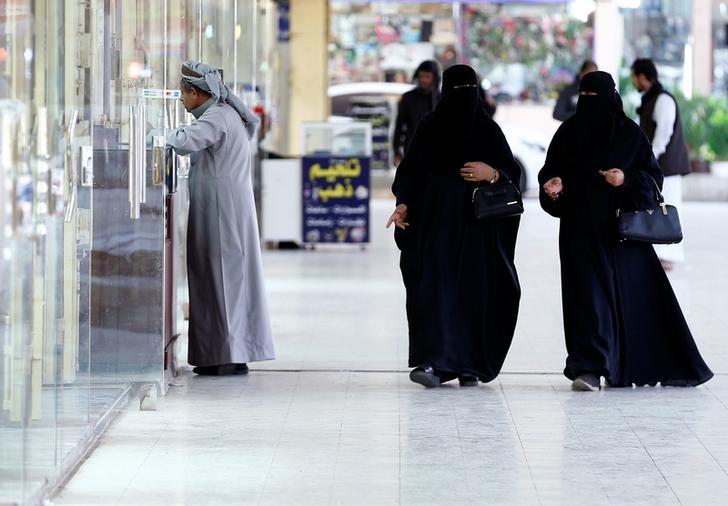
point(425, 376)
point(468, 380)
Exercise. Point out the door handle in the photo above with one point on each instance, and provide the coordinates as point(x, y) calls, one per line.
point(72, 166)
point(141, 151)
point(134, 204)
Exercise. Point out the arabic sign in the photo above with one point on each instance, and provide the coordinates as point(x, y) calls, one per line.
point(335, 199)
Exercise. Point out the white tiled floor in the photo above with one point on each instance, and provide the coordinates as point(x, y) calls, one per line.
point(335, 420)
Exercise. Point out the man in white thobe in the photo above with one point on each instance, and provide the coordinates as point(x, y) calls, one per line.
point(229, 324)
point(660, 120)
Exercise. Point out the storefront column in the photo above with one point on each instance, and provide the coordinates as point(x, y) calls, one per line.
point(608, 37)
point(308, 77)
point(702, 41)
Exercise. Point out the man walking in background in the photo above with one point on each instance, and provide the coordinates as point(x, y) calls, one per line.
point(660, 121)
point(566, 103)
point(414, 105)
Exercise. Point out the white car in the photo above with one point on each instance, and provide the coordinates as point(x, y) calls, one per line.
point(528, 145)
point(529, 149)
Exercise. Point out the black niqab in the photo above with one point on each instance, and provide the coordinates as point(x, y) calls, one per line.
point(460, 104)
point(596, 114)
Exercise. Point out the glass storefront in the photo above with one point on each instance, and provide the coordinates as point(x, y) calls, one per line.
point(91, 210)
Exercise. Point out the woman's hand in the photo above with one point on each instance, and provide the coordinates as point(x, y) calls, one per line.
point(614, 176)
point(398, 217)
point(478, 171)
point(553, 187)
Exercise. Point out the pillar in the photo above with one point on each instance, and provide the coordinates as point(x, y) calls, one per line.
point(608, 37)
point(308, 76)
point(702, 47)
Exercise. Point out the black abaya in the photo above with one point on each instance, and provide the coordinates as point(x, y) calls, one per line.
point(462, 288)
point(621, 318)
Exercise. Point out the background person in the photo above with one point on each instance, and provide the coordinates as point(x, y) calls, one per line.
point(566, 103)
point(659, 119)
point(415, 105)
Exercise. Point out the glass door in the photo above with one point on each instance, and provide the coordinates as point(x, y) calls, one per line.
point(89, 246)
point(128, 116)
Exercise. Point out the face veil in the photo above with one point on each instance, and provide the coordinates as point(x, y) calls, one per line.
point(597, 112)
point(457, 111)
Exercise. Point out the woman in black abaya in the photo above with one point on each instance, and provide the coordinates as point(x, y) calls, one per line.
point(621, 318)
point(462, 288)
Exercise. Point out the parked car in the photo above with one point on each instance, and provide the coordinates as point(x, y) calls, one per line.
point(528, 145)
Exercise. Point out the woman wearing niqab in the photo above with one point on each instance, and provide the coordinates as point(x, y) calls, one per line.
point(462, 288)
point(622, 320)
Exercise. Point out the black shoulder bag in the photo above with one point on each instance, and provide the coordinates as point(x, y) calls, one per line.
point(497, 200)
point(657, 224)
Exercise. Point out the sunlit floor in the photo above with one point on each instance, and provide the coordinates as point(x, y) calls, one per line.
point(335, 420)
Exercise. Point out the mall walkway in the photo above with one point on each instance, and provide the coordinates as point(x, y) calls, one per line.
point(335, 420)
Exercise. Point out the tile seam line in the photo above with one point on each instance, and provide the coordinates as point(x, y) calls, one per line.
point(720, 401)
point(278, 440)
point(573, 428)
point(649, 454)
point(406, 371)
point(707, 450)
point(520, 440)
point(338, 444)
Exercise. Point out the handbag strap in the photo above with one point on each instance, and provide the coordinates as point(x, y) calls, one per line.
point(658, 195)
point(506, 179)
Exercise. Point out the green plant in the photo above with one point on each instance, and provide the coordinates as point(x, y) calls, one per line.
point(705, 124)
point(718, 132)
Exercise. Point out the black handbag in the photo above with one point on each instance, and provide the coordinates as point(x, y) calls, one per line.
point(497, 200)
point(657, 224)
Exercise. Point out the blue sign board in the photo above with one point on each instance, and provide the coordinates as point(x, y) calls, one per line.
point(336, 199)
point(284, 21)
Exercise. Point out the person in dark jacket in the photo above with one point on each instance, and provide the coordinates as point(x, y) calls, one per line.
point(566, 103)
point(462, 288)
point(414, 105)
point(660, 121)
point(622, 320)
